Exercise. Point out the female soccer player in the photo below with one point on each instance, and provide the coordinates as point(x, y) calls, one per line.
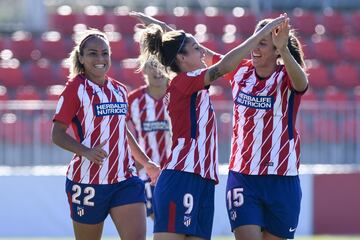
point(263, 188)
point(184, 194)
point(150, 120)
point(101, 177)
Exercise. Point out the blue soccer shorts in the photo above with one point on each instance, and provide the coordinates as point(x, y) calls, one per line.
point(91, 203)
point(184, 204)
point(270, 201)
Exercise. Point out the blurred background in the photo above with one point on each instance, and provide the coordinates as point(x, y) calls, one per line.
point(36, 36)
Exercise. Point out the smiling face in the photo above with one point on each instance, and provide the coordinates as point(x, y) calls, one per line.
point(95, 59)
point(264, 55)
point(193, 58)
point(154, 76)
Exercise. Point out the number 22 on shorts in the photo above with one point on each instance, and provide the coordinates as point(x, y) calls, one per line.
point(89, 191)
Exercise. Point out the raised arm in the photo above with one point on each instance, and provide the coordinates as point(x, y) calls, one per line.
point(147, 20)
point(296, 72)
point(233, 58)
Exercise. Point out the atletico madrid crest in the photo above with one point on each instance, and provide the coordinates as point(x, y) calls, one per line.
point(187, 220)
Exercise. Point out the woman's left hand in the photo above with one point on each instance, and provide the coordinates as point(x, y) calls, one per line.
point(153, 170)
point(280, 35)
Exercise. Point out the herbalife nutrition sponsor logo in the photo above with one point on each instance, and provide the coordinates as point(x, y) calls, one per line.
point(150, 126)
point(258, 102)
point(104, 109)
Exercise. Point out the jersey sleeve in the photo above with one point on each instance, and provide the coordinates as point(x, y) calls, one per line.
point(190, 82)
point(68, 104)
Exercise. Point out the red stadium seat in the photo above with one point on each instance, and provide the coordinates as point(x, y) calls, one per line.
point(319, 76)
point(61, 74)
point(52, 46)
point(2, 43)
point(53, 92)
point(42, 127)
point(158, 13)
point(272, 14)
point(94, 17)
point(123, 23)
point(346, 75)
point(356, 94)
point(333, 22)
point(310, 96)
point(41, 74)
point(119, 50)
point(335, 95)
point(3, 93)
point(12, 77)
point(129, 77)
point(229, 45)
point(114, 72)
point(307, 47)
point(321, 129)
point(186, 21)
point(354, 22)
point(326, 50)
point(133, 48)
point(350, 49)
point(303, 21)
point(244, 21)
point(27, 93)
point(14, 130)
point(24, 49)
point(210, 43)
point(63, 20)
point(214, 20)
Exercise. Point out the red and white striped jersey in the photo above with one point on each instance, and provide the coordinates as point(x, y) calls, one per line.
point(96, 114)
point(152, 125)
point(194, 141)
point(265, 140)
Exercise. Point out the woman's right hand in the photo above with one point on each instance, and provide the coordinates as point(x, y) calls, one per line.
point(268, 28)
point(96, 154)
point(144, 19)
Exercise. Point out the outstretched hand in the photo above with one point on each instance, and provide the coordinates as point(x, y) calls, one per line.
point(274, 24)
point(144, 19)
point(280, 34)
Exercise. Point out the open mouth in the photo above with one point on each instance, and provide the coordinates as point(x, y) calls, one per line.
point(255, 55)
point(100, 66)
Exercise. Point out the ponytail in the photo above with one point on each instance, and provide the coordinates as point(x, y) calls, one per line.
point(164, 45)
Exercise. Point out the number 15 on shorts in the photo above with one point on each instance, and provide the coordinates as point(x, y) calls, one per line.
point(235, 197)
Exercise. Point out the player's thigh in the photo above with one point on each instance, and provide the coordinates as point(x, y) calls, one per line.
point(194, 238)
point(88, 231)
point(130, 221)
point(269, 236)
point(248, 232)
point(167, 236)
